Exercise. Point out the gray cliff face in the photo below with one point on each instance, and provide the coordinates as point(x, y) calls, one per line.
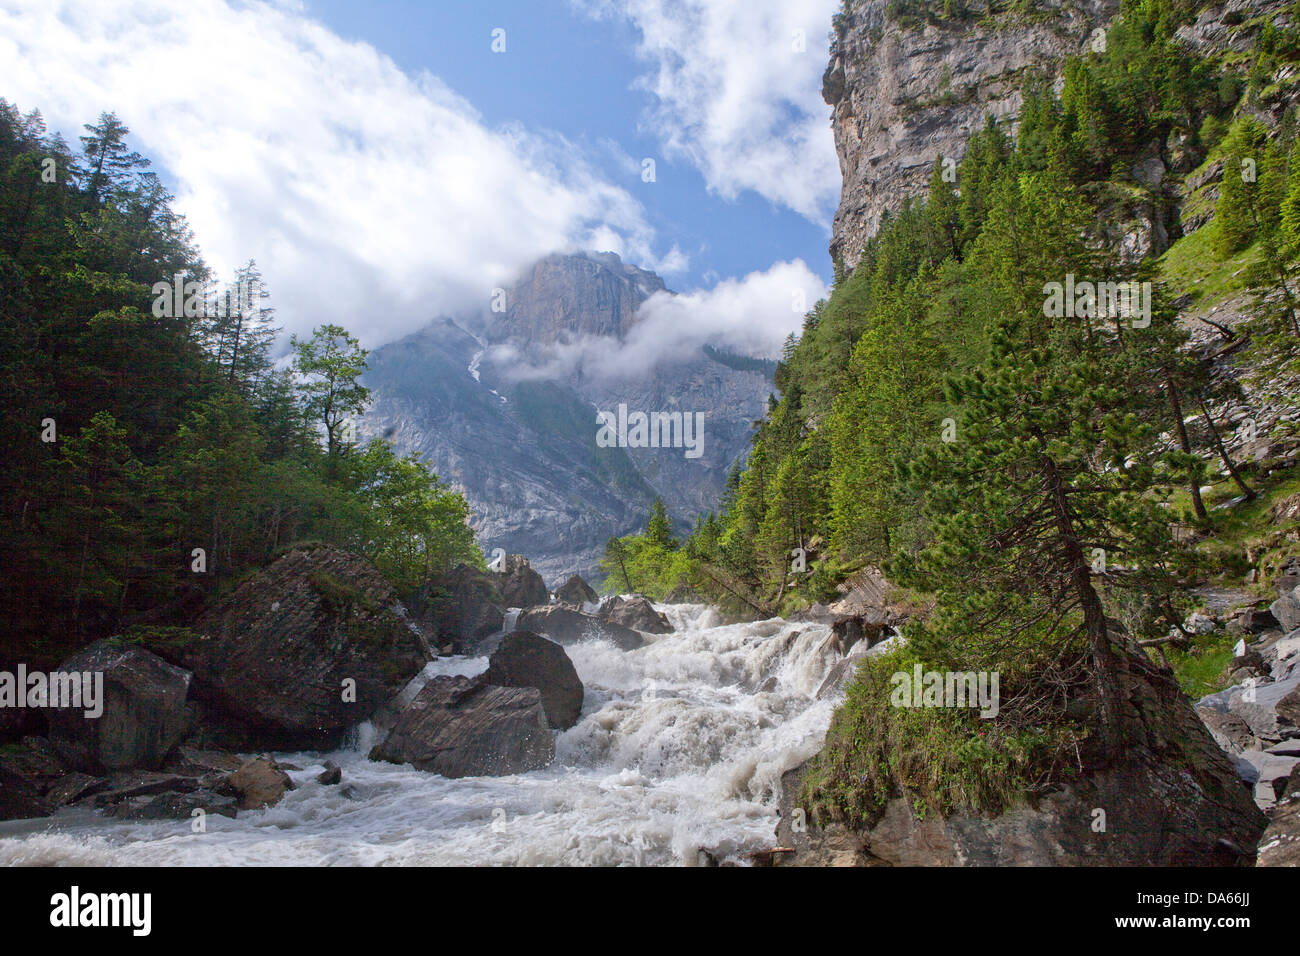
point(523, 450)
point(904, 94)
point(901, 96)
point(563, 297)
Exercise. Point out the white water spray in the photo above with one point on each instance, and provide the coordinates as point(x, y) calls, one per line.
point(680, 748)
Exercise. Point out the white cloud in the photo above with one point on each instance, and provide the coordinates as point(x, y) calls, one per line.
point(751, 315)
point(368, 197)
point(734, 97)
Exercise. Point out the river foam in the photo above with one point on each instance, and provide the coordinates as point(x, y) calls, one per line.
point(679, 749)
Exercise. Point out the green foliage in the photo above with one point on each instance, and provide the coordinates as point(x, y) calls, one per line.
point(1252, 189)
point(169, 434)
point(942, 759)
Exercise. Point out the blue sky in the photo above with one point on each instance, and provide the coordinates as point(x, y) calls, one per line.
point(384, 166)
point(572, 73)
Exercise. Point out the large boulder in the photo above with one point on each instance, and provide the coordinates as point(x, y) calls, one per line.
point(144, 709)
point(567, 626)
point(524, 659)
point(520, 585)
point(460, 608)
point(302, 650)
point(466, 727)
point(576, 591)
point(1172, 798)
point(1280, 844)
point(259, 783)
point(1271, 710)
point(1287, 606)
point(635, 612)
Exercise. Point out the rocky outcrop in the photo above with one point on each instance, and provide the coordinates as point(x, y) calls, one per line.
point(576, 591)
point(300, 651)
point(635, 612)
point(567, 626)
point(903, 95)
point(145, 712)
point(519, 584)
point(1173, 799)
point(524, 659)
point(465, 726)
point(460, 608)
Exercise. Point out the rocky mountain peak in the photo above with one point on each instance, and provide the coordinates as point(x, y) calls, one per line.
point(566, 296)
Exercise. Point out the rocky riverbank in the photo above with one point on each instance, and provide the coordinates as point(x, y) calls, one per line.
point(294, 658)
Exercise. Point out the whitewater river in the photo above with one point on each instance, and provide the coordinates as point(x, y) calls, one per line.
point(680, 747)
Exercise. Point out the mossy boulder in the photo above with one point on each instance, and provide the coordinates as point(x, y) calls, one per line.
point(300, 651)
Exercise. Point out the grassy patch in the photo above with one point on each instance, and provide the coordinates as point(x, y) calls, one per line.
point(942, 759)
point(164, 641)
point(1190, 266)
point(336, 594)
point(1203, 668)
point(1245, 537)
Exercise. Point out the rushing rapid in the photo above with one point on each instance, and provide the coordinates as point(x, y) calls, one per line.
point(680, 749)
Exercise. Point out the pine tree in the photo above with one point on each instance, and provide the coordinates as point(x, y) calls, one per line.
point(107, 162)
point(1050, 470)
point(659, 529)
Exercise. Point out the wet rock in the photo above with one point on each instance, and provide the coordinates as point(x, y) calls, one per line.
point(19, 799)
point(520, 585)
point(566, 626)
point(301, 651)
point(577, 592)
point(72, 787)
point(174, 806)
point(524, 659)
point(635, 612)
point(871, 627)
point(464, 726)
point(145, 711)
point(260, 783)
point(460, 608)
point(139, 783)
point(191, 762)
point(331, 775)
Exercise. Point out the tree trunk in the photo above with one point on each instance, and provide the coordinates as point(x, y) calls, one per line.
point(1194, 486)
point(1109, 669)
point(1223, 453)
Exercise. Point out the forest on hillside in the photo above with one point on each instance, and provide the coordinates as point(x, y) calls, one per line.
point(1018, 465)
point(156, 449)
